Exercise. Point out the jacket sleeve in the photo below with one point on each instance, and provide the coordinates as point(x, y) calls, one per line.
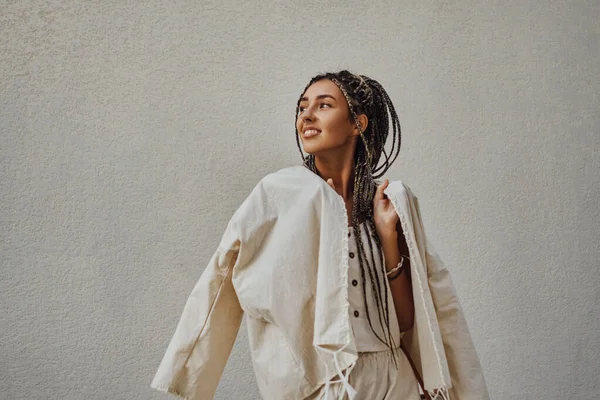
point(466, 374)
point(204, 336)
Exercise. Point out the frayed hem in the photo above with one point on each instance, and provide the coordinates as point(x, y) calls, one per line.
point(170, 390)
point(439, 394)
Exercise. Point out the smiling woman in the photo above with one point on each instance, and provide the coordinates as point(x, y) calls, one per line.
point(324, 260)
point(342, 121)
point(323, 112)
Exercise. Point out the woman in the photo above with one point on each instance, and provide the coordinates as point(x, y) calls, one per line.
point(345, 136)
point(323, 261)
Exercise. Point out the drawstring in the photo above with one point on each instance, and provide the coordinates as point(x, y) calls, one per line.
point(343, 378)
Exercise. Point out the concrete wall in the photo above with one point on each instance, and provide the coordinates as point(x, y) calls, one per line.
point(131, 130)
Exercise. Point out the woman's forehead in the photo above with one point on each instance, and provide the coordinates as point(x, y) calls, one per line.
point(323, 86)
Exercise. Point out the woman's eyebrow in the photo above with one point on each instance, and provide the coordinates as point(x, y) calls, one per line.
point(321, 96)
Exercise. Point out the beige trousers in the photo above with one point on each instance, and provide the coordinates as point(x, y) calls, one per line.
point(375, 377)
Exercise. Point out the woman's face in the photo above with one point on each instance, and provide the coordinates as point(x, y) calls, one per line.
point(322, 120)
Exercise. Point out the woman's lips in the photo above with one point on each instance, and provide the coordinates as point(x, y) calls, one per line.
point(311, 132)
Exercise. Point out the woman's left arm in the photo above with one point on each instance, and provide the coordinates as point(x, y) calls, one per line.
point(393, 244)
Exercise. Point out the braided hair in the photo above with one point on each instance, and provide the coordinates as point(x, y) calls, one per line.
point(366, 96)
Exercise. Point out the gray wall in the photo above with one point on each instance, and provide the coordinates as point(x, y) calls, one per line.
point(130, 132)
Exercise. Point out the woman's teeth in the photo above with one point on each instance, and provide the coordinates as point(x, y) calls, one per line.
point(311, 132)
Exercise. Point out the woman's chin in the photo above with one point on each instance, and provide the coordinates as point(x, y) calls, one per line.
point(310, 148)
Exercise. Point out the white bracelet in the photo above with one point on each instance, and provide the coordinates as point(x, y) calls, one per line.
point(400, 264)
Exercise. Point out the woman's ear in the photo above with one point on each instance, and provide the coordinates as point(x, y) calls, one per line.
point(363, 122)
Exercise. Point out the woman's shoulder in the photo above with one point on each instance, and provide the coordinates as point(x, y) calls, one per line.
point(295, 172)
point(280, 188)
point(292, 181)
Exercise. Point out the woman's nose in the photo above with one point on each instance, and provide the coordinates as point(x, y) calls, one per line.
point(307, 114)
point(306, 118)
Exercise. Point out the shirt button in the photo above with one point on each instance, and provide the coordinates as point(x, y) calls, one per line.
point(354, 282)
point(349, 234)
point(351, 255)
point(356, 313)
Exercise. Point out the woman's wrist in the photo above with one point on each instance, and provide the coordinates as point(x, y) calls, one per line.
point(387, 235)
point(396, 271)
point(391, 252)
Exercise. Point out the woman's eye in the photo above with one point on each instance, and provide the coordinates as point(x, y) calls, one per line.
point(302, 108)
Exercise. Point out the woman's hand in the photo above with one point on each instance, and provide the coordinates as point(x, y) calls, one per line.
point(384, 214)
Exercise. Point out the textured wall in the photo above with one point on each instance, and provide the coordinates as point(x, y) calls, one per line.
point(130, 131)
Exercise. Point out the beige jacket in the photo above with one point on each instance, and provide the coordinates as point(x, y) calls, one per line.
point(283, 260)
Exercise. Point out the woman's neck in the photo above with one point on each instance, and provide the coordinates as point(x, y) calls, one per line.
point(341, 170)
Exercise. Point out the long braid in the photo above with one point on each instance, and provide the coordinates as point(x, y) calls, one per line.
point(366, 96)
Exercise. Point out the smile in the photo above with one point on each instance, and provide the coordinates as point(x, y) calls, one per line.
point(311, 133)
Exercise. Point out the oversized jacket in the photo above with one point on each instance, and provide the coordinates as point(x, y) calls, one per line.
point(283, 261)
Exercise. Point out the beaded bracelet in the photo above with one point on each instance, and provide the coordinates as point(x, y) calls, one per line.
point(398, 268)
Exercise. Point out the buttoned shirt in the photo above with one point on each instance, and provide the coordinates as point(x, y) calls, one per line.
point(367, 338)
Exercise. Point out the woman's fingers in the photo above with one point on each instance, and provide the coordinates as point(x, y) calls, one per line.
point(330, 183)
point(379, 193)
